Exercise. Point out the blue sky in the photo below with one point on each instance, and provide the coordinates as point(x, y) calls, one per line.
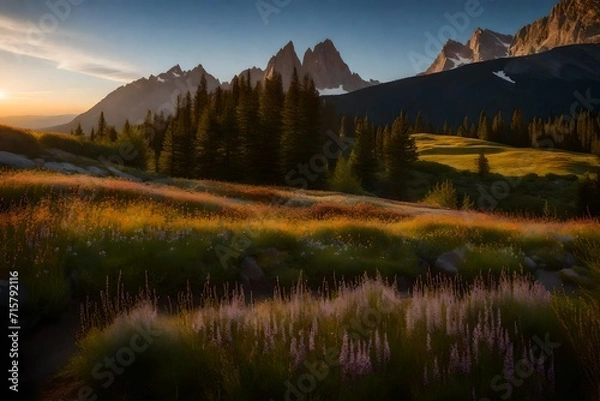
point(63, 56)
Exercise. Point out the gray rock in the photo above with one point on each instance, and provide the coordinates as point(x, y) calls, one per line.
point(572, 275)
point(530, 263)
point(39, 162)
point(120, 174)
point(16, 161)
point(449, 262)
point(54, 166)
point(71, 168)
point(569, 260)
point(97, 171)
point(550, 280)
point(251, 270)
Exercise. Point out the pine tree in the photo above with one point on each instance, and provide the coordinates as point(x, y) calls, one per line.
point(483, 165)
point(249, 130)
point(232, 166)
point(93, 135)
point(292, 128)
point(362, 158)
point(271, 120)
point(498, 128)
point(170, 156)
point(401, 151)
point(102, 131)
point(200, 101)
point(78, 132)
point(518, 135)
point(483, 129)
point(112, 134)
point(418, 123)
point(208, 146)
point(343, 179)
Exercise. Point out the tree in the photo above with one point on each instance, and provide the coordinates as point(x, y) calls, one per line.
point(270, 112)
point(401, 151)
point(418, 123)
point(483, 165)
point(588, 196)
point(112, 134)
point(483, 129)
point(343, 179)
point(102, 131)
point(78, 132)
point(498, 128)
point(517, 129)
point(362, 158)
point(249, 130)
point(208, 146)
point(92, 135)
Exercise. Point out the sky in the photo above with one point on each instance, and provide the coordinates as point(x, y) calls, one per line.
point(64, 56)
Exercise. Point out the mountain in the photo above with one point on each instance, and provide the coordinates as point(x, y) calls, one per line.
point(482, 46)
point(541, 85)
point(132, 101)
point(159, 93)
point(569, 22)
point(284, 63)
point(36, 121)
point(329, 71)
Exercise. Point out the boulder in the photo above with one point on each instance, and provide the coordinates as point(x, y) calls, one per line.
point(39, 162)
point(54, 166)
point(97, 171)
point(550, 280)
point(530, 264)
point(449, 262)
point(569, 260)
point(250, 270)
point(16, 161)
point(118, 173)
point(71, 168)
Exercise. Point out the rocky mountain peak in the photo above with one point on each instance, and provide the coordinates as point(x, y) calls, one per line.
point(569, 22)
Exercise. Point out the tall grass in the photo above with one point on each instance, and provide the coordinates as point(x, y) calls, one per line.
point(362, 337)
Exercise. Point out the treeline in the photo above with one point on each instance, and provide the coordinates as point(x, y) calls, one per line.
point(263, 135)
point(579, 133)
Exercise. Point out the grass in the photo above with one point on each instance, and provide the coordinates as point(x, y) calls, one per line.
point(461, 154)
point(356, 340)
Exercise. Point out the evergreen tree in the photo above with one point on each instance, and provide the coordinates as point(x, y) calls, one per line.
point(483, 129)
point(78, 132)
point(102, 131)
point(518, 134)
point(291, 155)
point(362, 158)
point(271, 120)
point(200, 101)
point(343, 179)
point(401, 151)
point(209, 146)
point(483, 165)
point(93, 135)
point(249, 129)
point(498, 128)
point(112, 134)
point(419, 127)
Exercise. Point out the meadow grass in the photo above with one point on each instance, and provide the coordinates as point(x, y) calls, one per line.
point(356, 340)
point(461, 153)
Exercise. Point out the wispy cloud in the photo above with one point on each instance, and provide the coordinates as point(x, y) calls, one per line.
point(19, 38)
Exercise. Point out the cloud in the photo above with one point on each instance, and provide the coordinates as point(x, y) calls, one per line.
point(25, 39)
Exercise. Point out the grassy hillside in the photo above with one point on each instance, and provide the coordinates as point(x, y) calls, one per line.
point(461, 153)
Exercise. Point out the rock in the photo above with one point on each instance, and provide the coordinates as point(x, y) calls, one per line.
point(120, 174)
point(550, 280)
point(251, 270)
point(572, 276)
point(449, 262)
point(74, 169)
point(97, 171)
point(54, 166)
point(16, 161)
point(39, 162)
point(530, 263)
point(569, 260)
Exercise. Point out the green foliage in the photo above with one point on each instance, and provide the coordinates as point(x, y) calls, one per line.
point(362, 159)
point(19, 142)
point(344, 180)
point(483, 165)
point(443, 194)
point(588, 196)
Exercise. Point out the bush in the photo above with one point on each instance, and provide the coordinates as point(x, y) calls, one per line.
point(344, 180)
point(443, 194)
point(19, 142)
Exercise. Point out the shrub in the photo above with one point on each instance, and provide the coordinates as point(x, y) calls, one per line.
point(443, 194)
point(344, 180)
point(19, 142)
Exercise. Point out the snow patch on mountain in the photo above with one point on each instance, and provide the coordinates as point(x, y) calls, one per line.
point(502, 74)
point(332, 91)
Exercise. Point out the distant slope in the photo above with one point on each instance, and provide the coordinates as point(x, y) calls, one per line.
point(545, 85)
point(461, 153)
point(36, 121)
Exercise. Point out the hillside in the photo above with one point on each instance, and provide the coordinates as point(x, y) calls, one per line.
point(540, 85)
point(460, 153)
